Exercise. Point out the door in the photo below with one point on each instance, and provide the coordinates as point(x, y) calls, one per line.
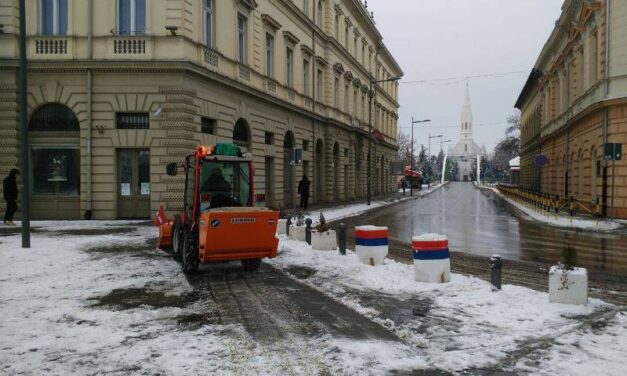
point(133, 183)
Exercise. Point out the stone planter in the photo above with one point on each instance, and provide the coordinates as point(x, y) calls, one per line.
point(323, 241)
point(568, 286)
point(297, 233)
point(280, 228)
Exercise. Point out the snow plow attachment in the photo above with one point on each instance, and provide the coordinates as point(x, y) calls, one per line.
point(238, 233)
point(165, 230)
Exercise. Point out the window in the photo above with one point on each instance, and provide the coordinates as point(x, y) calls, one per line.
point(337, 26)
point(355, 45)
point(346, 31)
point(132, 120)
point(336, 93)
point(355, 102)
point(305, 145)
point(131, 17)
point(240, 133)
point(56, 171)
point(241, 39)
point(269, 55)
point(53, 17)
point(319, 13)
point(208, 126)
point(306, 7)
point(207, 25)
point(363, 107)
point(224, 183)
point(346, 98)
point(306, 76)
point(290, 67)
point(269, 138)
point(319, 85)
point(53, 117)
point(363, 54)
point(594, 56)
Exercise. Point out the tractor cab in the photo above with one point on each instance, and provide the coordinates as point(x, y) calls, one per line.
point(218, 176)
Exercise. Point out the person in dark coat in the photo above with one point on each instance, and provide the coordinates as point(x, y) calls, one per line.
point(303, 191)
point(220, 189)
point(9, 191)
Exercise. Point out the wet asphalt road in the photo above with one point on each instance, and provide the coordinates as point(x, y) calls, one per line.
point(478, 222)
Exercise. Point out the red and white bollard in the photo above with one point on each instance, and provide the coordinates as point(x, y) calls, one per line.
point(371, 244)
point(431, 258)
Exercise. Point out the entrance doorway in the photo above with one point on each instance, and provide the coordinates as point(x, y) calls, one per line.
point(133, 183)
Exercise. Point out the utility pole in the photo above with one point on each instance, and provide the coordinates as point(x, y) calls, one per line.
point(24, 129)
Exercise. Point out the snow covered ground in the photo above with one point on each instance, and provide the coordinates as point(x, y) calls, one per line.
point(561, 220)
point(55, 320)
point(468, 326)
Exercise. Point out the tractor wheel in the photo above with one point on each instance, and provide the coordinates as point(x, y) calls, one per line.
point(189, 252)
point(251, 264)
point(177, 238)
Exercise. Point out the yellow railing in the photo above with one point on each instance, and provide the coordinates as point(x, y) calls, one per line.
point(550, 204)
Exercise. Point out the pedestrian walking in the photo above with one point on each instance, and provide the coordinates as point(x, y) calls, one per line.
point(303, 191)
point(9, 191)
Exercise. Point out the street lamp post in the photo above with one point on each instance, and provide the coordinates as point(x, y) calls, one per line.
point(24, 129)
point(411, 163)
point(430, 137)
point(370, 96)
point(444, 142)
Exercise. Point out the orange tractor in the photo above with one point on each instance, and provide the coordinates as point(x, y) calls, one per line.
point(219, 221)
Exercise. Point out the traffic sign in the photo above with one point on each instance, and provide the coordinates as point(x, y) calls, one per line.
point(613, 151)
point(541, 160)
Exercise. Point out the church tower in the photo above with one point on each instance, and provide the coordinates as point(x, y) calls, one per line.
point(466, 118)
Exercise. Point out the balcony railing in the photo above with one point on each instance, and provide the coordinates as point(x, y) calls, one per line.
point(50, 46)
point(129, 46)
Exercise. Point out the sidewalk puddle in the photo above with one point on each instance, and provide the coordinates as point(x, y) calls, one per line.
point(123, 299)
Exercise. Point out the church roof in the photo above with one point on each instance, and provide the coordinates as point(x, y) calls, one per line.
point(466, 117)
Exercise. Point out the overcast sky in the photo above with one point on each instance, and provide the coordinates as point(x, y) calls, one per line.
point(456, 38)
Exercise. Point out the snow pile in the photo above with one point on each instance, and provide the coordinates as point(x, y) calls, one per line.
point(467, 325)
point(429, 238)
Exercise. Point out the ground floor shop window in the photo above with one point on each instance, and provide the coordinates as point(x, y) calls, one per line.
point(56, 171)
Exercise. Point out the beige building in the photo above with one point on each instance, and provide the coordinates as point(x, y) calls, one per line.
point(119, 88)
point(574, 102)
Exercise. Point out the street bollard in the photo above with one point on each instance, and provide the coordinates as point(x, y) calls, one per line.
point(341, 236)
point(308, 230)
point(287, 225)
point(496, 266)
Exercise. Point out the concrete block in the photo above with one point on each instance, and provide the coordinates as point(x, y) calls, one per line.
point(324, 241)
point(297, 233)
point(568, 286)
point(280, 228)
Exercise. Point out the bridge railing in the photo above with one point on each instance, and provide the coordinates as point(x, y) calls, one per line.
point(550, 204)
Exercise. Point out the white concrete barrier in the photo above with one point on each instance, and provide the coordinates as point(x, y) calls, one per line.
point(431, 258)
point(323, 240)
point(297, 233)
point(281, 228)
point(568, 286)
point(371, 244)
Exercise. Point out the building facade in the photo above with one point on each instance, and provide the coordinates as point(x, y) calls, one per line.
point(119, 88)
point(466, 150)
point(574, 102)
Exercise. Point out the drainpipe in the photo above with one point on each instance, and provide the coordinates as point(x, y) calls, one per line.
point(605, 115)
point(90, 19)
point(313, 108)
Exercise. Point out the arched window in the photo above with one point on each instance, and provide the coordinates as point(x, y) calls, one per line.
point(241, 135)
point(53, 117)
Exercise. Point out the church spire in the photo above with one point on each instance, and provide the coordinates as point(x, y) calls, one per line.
point(466, 118)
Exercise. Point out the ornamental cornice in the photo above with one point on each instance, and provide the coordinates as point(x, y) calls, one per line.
point(357, 82)
point(338, 9)
point(249, 5)
point(348, 76)
point(290, 37)
point(338, 68)
point(321, 61)
point(364, 88)
point(270, 22)
point(306, 50)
